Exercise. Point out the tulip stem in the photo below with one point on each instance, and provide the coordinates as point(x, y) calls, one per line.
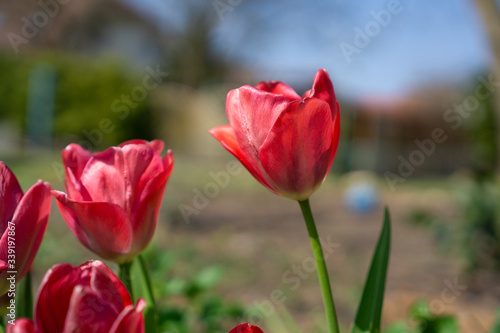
point(147, 281)
point(324, 281)
point(124, 274)
point(151, 316)
point(24, 298)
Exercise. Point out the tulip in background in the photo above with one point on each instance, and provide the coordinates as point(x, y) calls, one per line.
point(113, 197)
point(23, 221)
point(287, 142)
point(87, 298)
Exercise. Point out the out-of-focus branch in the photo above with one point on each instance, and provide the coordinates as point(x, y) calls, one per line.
point(490, 13)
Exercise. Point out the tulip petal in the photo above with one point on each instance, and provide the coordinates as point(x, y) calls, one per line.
point(89, 312)
point(246, 328)
point(54, 297)
point(323, 89)
point(30, 222)
point(3, 265)
point(130, 319)
point(133, 142)
point(336, 134)
point(141, 164)
point(225, 135)
point(10, 195)
point(70, 218)
point(280, 88)
point(102, 227)
point(105, 282)
point(74, 158)
point(22, 325)
point(102, 178)
point(146, 207)
point(252, 113)
point(157, 145)
point(297, 152)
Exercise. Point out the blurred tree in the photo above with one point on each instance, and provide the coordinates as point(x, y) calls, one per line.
point(94, 99)
point(192, 60)
point(482, 131)
point(490, 12)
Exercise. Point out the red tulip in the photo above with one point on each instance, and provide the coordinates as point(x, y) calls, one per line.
point(23, 220)
point(89, 298)
point(21, 325)
point(246, 328)
point(113, 197)
point(285, 141)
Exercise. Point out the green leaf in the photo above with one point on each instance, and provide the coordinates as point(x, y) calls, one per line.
point(370, 307)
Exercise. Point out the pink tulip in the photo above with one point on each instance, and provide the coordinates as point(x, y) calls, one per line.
point(89, 298)
point(23, 220)
point(287, 142)
point(113, 197)
point(246, 328)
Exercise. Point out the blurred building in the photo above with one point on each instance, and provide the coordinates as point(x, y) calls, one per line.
point(423, 129)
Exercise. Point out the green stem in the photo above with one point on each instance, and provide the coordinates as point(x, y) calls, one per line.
point(150, 314)
point(24, 298)
point(2, 325)
point(124, 275)
point(326, 290)
point(146, 282)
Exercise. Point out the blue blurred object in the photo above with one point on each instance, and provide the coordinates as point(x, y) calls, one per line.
point(361, 197)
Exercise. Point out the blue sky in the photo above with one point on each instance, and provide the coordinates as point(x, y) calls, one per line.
point(425, 41)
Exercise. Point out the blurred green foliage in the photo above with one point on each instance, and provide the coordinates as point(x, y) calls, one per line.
point(480, 234)
point(190, 303)
point(87, 92)
point(482, 135)
point(422, 320)
point(475, 231)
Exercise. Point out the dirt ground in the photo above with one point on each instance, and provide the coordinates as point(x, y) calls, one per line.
point(261, 238)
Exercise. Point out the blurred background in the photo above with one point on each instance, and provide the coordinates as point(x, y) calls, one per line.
point(419, 88)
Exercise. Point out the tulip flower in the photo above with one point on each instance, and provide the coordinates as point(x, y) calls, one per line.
point(246, 328)
point(113, 198)
point(87, 298)
point(23, 221)
point(287, 142)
